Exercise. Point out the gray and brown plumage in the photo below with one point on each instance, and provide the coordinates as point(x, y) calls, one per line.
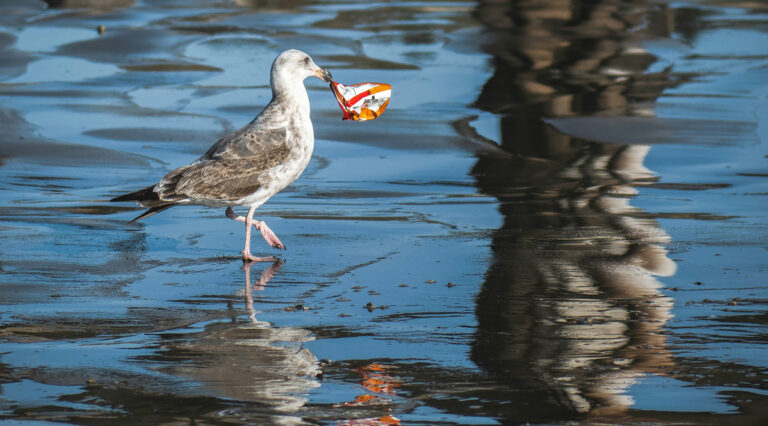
point(250, 165)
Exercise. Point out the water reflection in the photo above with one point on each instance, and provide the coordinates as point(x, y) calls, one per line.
point(266, 275)
point(249, 361)
point(570, 309)
point(381, 383)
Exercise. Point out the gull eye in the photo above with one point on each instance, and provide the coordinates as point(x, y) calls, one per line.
point(306, 60)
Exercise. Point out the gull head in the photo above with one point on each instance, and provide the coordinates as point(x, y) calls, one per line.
point(293, 66)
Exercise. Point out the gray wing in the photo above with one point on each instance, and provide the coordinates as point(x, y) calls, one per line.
point(231, 169)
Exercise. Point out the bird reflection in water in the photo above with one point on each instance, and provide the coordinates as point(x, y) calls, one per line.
point(259, 286)
point(376, 378)
point(251, 361)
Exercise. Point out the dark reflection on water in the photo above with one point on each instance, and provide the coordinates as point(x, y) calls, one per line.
point(571, 311)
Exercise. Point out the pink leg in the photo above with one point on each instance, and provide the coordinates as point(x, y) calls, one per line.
point(267, 233)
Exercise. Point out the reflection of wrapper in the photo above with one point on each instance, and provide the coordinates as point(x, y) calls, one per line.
point(364, 101)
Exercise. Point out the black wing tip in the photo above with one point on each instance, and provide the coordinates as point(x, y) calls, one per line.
point(145, 194)
point(126, 197)
point(152, 211)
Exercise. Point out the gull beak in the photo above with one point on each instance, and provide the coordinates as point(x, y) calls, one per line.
point(323, 74)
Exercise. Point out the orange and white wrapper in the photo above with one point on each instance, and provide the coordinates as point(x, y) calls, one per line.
point(364, 101)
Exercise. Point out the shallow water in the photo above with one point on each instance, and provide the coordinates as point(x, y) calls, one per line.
point(560, 217)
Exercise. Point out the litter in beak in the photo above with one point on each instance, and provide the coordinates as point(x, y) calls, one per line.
point(364, 101)
point(327, 77)
point(323, 74)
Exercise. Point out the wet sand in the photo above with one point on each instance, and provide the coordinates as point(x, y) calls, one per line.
point(560, 217)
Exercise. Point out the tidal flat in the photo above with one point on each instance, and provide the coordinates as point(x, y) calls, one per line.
point(560, 218)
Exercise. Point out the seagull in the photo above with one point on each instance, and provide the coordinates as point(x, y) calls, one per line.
point(250, 165)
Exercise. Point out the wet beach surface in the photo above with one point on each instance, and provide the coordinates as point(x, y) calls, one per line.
point(561, 216)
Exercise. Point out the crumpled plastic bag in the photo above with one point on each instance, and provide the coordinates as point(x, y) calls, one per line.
point(364, 101)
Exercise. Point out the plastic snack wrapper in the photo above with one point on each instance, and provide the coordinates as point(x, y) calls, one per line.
point(364, 101)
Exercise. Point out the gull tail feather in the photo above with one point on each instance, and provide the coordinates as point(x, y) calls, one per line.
point(153, 210)
point(146, 194)
point(146, 197)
